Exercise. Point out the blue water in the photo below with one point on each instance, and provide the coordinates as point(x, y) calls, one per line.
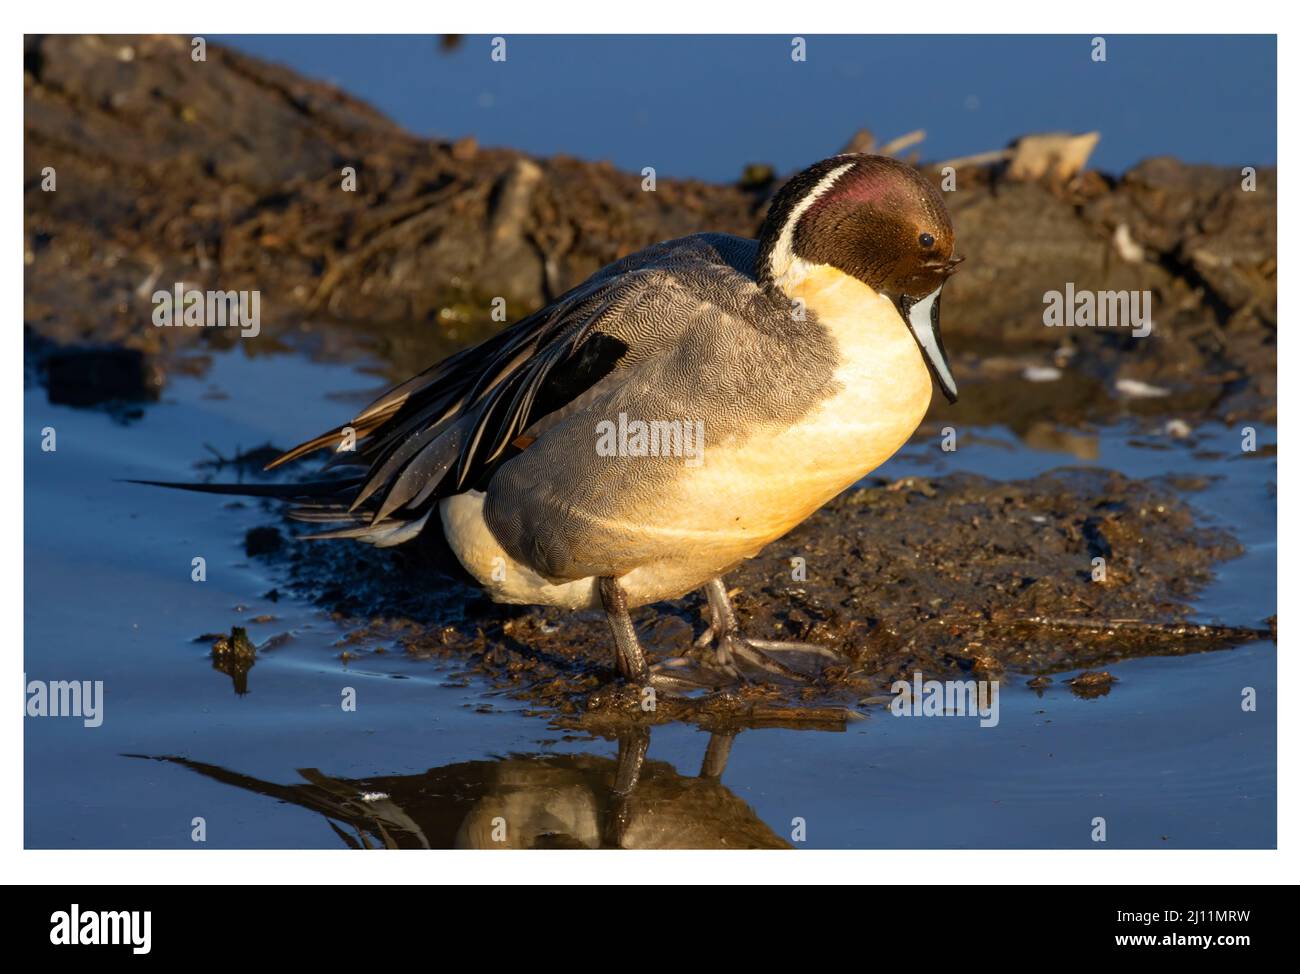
point(1168, 758)
point(703, 106)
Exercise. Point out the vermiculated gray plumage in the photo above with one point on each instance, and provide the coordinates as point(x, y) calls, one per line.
point(692, 335)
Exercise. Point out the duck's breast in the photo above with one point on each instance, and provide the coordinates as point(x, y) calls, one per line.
point(749, 493)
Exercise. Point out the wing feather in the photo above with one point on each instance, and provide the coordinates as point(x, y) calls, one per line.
point(450, 426)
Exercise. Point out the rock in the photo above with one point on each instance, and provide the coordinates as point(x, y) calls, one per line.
point(1091, 683)
point(235, 655)
point(1058, 156)
point(230, 179)
point(1020, 244)
point(1203, 220)
point(463, 150)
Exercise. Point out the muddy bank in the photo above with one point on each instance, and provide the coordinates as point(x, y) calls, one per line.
point(955, 578)
point(228, 174)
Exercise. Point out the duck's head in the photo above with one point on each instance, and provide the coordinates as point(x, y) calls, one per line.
point(878, 220)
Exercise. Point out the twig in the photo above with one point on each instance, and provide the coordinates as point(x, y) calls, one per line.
point(979, 159)
point(894, 146)
point(1177, 629)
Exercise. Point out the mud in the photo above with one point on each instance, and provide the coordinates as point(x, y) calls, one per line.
point(235, 655)
point(956, 578)
point(228, 175)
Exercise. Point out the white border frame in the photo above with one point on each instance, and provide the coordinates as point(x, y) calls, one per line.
point(1102, 866)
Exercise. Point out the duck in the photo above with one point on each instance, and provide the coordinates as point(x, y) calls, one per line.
point(663, 421)
point(529, 801)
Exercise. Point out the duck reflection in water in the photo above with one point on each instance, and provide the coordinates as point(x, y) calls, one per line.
point(572, 801)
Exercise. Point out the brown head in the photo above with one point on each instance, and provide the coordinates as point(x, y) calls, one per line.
point(878, 220)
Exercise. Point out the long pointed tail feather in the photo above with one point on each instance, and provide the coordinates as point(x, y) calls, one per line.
point(318, 488)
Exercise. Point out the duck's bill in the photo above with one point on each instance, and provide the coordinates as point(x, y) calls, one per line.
point(922, 317)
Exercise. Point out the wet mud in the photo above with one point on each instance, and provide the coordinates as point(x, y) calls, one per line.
point(960, 577)
point(232, 180)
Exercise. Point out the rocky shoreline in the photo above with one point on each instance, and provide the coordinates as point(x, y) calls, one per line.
point(227, 174)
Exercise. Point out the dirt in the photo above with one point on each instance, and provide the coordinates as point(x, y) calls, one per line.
point(228, 174)
point(957, 578)
point(235, 655)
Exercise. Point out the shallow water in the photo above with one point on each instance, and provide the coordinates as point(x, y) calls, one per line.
point(1168, 757)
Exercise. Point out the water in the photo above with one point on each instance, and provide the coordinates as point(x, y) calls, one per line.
point(1168, 758)
point(969, 94)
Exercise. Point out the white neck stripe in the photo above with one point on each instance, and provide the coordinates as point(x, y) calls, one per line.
point(783, 252)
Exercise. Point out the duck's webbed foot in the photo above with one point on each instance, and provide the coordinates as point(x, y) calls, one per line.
point(742, 658)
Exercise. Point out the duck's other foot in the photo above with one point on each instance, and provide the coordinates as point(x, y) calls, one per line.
point(734, 659)
point(748, 658)
point(741, 659)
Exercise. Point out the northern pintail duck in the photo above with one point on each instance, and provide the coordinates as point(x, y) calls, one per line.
point(670, 416)
point(551, 801)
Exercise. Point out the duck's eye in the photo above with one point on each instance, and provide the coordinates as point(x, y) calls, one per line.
point(927, 240)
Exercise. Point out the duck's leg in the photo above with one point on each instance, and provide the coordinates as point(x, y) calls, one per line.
point(627, 650)
point(628, 656)
point(632, 748)
point(716, 754)
point(733, 653)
